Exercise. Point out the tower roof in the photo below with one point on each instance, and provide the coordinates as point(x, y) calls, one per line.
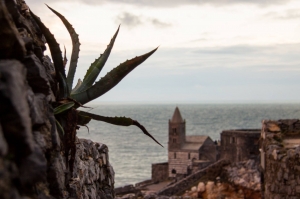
point(177, 116)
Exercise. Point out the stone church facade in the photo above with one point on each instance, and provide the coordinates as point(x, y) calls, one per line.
point(187, 153)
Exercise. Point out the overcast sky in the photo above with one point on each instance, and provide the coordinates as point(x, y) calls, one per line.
point(210, 50)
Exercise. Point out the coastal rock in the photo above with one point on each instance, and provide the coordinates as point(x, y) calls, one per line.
point(201, 187)
point(245, 174)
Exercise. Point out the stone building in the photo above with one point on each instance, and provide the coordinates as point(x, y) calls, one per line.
point(187, 153)
point(240, 144)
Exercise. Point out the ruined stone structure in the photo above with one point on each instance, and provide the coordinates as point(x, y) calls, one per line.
point(280, 162)
point(239, 144)
point(186, 152)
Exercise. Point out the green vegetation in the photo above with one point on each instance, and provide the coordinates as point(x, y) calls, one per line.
point(68, 99)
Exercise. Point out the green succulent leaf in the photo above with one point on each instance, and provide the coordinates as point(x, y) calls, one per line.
point(64, 85)
point(111, 79)
point(55, 53)
point(120, 121)
point(60, 128)
point(75, 49)
point(63, 107)
point(96, 67)
point(83, 120)
point(79, 82)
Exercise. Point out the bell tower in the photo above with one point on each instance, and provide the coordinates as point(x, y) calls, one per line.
point(176, 131)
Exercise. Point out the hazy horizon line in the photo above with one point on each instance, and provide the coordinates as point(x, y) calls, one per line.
point(195, 102)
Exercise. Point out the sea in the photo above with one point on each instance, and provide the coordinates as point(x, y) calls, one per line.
point(131, 153)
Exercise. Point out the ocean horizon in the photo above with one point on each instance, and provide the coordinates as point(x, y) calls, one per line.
point(131, 153)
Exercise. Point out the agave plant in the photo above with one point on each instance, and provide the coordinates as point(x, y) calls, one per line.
point(69, 99)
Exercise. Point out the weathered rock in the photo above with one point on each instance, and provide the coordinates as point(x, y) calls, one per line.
point(12, 46)
point(3, 144)
point(15, 115)
point(245, 174)
point(280, 160)
point(92, 171)
point(36, 75)
point(32, 159)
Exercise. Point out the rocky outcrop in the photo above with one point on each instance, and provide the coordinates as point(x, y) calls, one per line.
point(237, 180)
point(32, 159)
point(244, 174)
point(93, 176)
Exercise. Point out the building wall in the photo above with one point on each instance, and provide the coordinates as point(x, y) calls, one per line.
point(176, 135)
point(209, 151)
point(239, 145)
point(160, 172)
point(180, 161)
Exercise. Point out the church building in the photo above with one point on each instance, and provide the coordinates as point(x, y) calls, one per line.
point(188, 153)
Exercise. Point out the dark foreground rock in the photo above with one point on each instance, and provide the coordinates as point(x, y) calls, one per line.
point(32, 159)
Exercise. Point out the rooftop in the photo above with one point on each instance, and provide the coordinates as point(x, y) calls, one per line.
point(242, 131)
point(194, 142)
point(177, 116)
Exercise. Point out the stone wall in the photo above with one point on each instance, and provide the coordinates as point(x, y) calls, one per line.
point(180, 161)
point(32, 160)
point(160, 172)
point(209, 173)
point(198, 165)
point(280, 152)
point(239, 145)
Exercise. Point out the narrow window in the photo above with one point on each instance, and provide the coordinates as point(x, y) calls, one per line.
point(174, 130)
point(174, 140)
point(233, 140)
point(174, 155)
point(189, 156)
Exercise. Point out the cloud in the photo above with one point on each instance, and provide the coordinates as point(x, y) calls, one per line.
point(159, 23)
point(176, 3)
point(128, 20)
point(131, 21)
point(236, 72)
point(286, 15)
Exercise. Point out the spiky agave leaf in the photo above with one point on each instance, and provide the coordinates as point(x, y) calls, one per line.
point(63, 107)
point(75, 48)
point(65, 61)
point(111, 79)
point(56, 55)
point(120, 121)
point(79, 82)
point(96, 67)
point(63, 85)
point(83, 120)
